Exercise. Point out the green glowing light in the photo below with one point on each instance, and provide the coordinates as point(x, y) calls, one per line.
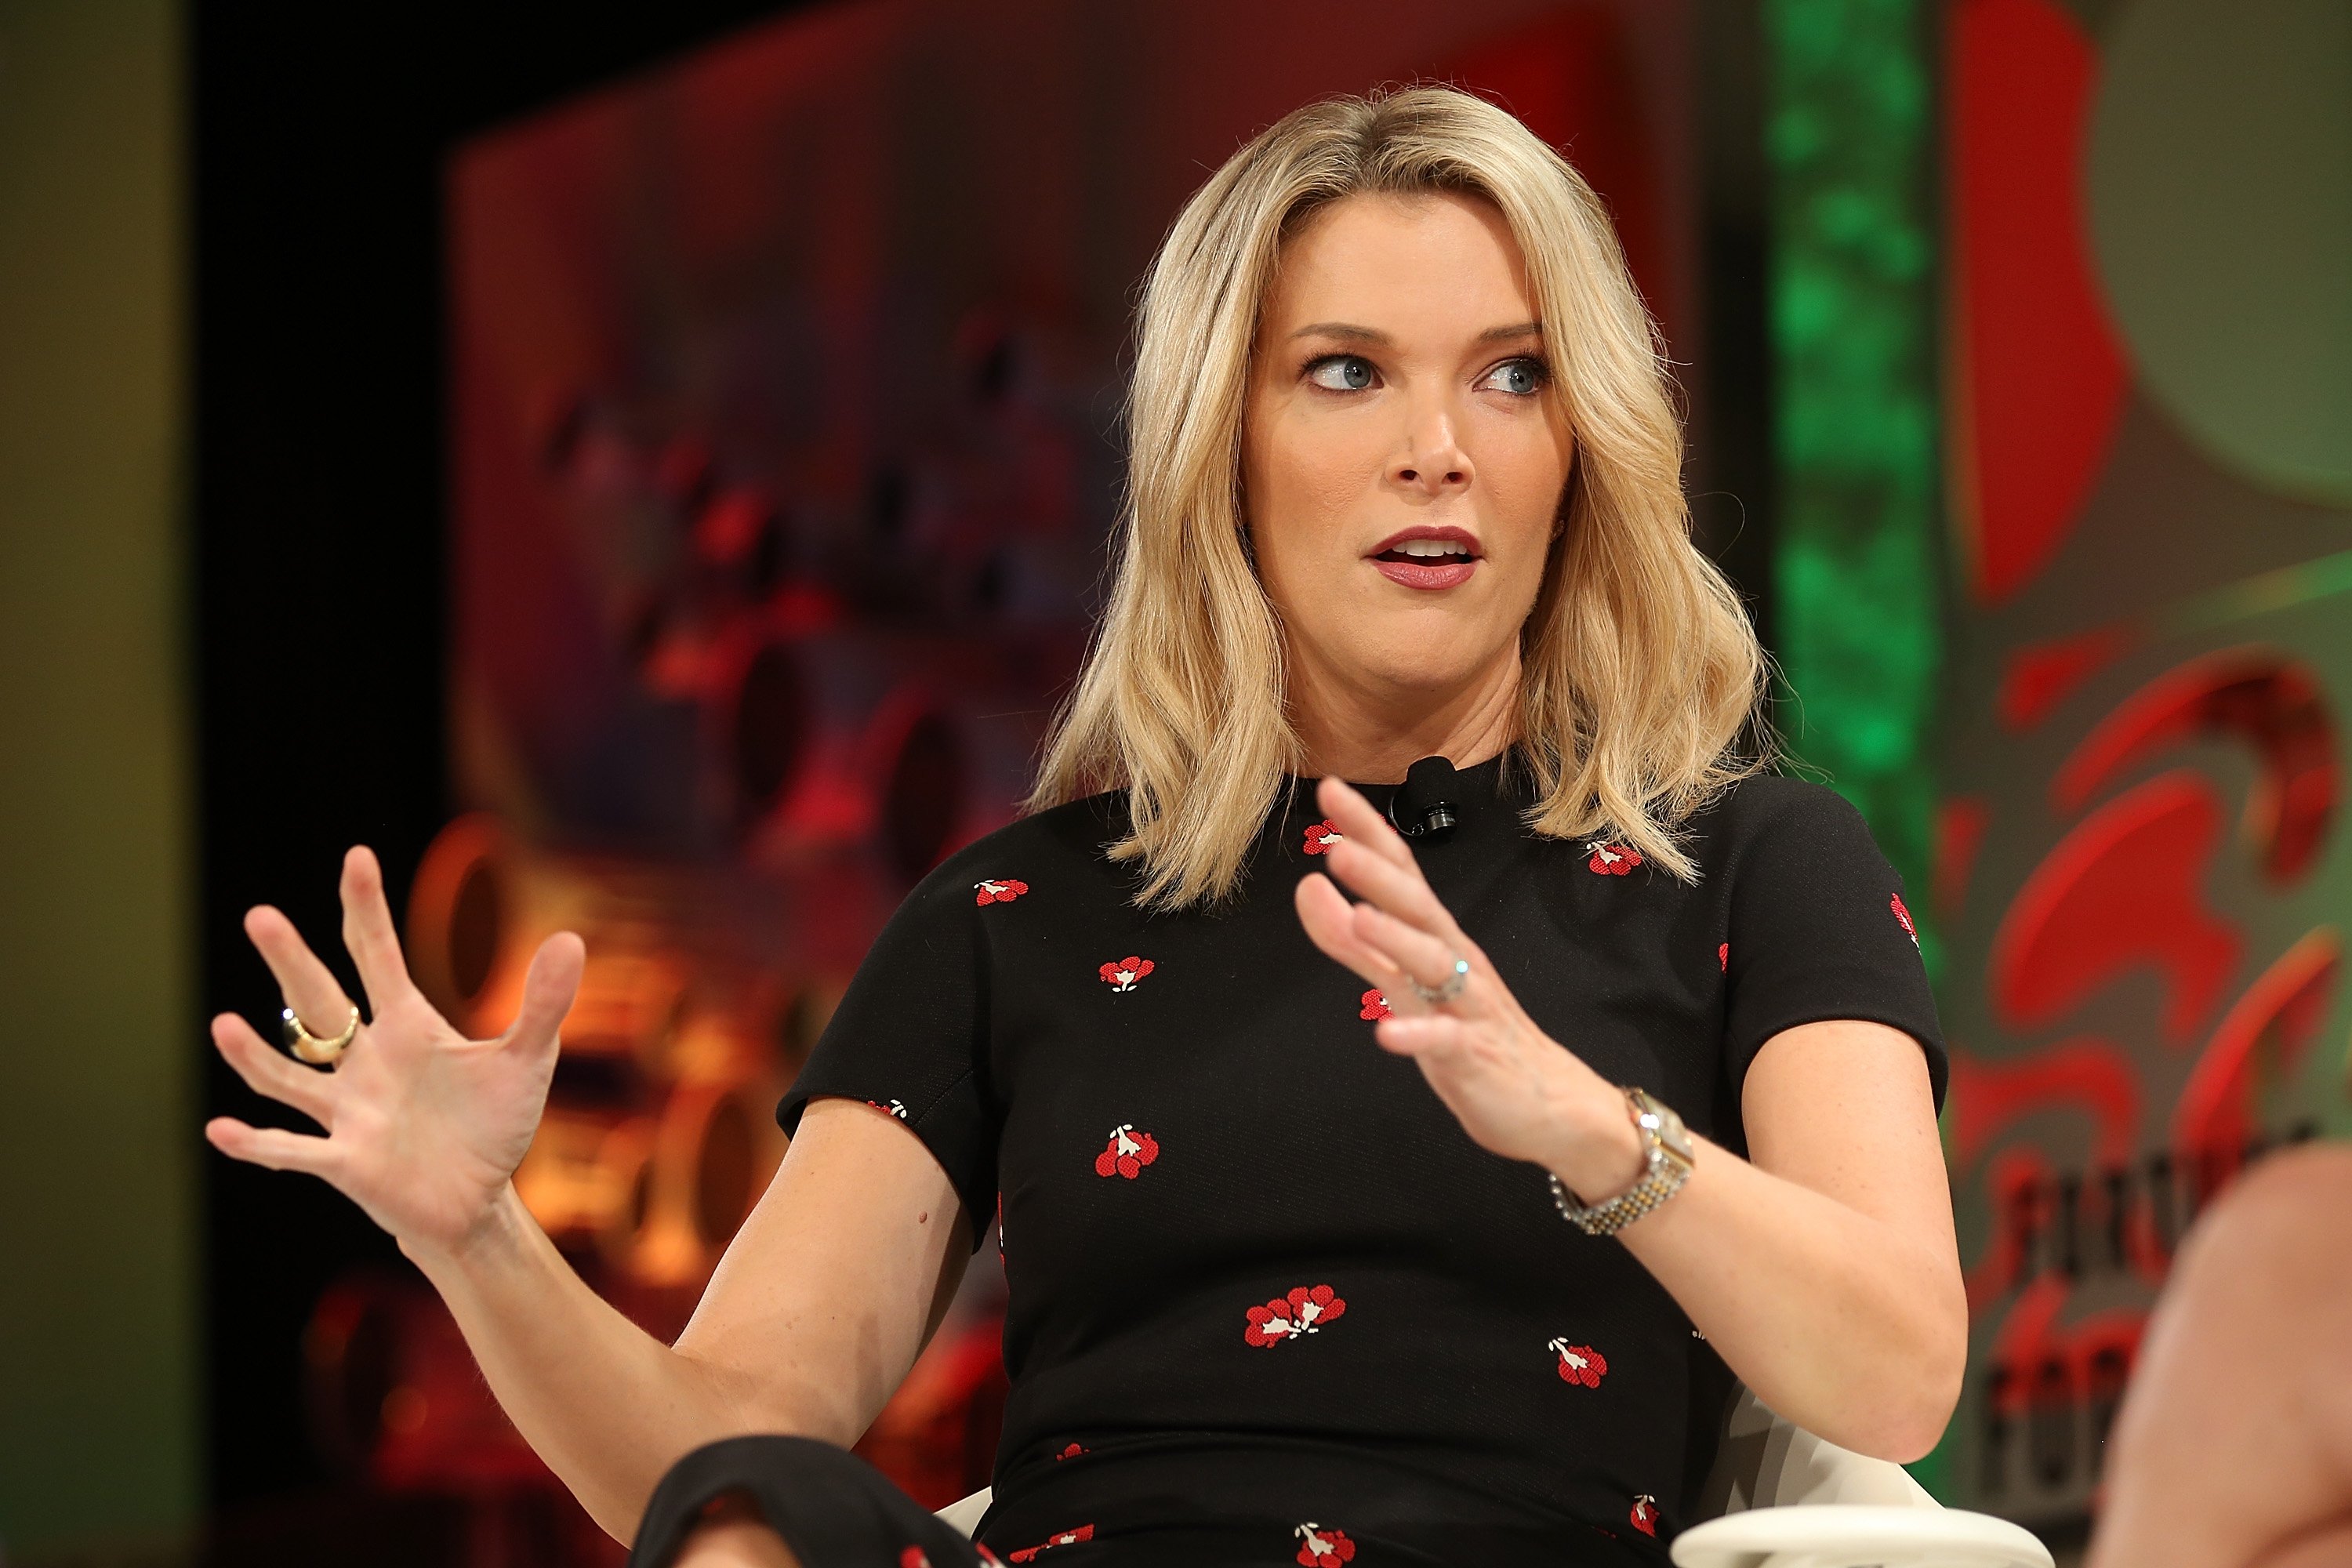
point(1857, 595)
point(1854, 324)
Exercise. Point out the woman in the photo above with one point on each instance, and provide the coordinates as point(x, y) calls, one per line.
point(1283, 1179)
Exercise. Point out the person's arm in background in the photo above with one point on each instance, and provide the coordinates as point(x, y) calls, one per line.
point(820, 1305)
point(2233, 1448)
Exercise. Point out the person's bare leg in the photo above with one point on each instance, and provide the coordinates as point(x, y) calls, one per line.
point(733, 1535)
point(2234, 1448)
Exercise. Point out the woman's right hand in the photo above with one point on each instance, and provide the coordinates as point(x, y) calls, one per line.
point(424, 1127)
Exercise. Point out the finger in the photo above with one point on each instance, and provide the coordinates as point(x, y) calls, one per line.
point(1360, 822)
point(547, 990)
point(1427, 959)
point(1419, 1034)
point(368, 935)
point(309, 986)
point(1374, 859)
point(1401, 890)
point(269, 1071)
point(271, 1146)
point(1329, 919)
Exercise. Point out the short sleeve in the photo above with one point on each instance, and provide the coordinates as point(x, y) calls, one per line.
point(1817, 929)
point(910, 1038)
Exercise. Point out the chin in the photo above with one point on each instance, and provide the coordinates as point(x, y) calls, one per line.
point(1413, 668)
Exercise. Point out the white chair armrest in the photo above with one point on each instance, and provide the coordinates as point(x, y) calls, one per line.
point(964, 1513)
point(1765, 1462)
point(1850, 1535)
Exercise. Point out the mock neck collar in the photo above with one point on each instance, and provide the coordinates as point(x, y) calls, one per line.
point(1480, 784)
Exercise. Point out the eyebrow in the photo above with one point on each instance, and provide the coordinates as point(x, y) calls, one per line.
point(1348, 332)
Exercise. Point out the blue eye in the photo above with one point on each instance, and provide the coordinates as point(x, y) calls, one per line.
point(1520, 377)
point(1342, 373)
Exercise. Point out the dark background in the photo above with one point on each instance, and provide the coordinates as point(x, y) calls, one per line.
point(318, 396)
point(319, 136)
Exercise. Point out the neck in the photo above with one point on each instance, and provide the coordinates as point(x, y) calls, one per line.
point(1371, 735)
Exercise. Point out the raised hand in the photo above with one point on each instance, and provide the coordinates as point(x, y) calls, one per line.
point(423, 1127)
point(1515, 1089)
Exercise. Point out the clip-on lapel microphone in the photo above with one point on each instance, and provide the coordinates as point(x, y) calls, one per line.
point(1424, 803)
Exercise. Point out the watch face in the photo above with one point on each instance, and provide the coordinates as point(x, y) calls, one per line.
point(1661, 1120)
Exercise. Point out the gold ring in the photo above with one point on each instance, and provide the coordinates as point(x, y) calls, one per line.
point(309, 1048)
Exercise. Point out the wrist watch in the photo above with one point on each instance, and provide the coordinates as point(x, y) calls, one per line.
point(1668, 1151)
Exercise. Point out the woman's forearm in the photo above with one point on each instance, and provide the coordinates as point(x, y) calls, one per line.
point(1835, 1320)
point(605, 1404)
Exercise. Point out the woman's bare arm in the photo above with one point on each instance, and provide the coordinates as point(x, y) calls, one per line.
point(821, 1304)
point(1823, 1268)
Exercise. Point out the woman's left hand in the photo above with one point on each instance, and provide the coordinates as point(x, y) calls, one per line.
point(1515, 1089)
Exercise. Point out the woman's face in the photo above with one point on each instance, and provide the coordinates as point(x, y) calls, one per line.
point(1398, 393)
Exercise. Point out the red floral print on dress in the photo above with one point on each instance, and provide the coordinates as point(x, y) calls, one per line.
point(1579, 1364)
point(1646, 1514)
point(1322, 1547)
point(914, 1557)
point(1894, 902)
point(1121, 973)
point(1304, 1311)
point(1376, 1005)
point(1071, 1452)
point(1723, 957)
point(1067, 1538)
point(998, 889)
point(1321, 836)
point(896, 1107)
point(1611, 859)
point(1128, 1153)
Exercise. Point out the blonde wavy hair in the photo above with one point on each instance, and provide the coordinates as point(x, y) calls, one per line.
point(1640, 674)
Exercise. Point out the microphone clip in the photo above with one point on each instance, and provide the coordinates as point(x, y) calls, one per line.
point(1424, 804)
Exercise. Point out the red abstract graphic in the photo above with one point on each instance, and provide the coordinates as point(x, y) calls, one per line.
point(2041, 676)
point(2042, 377)
point(2270, 1026)
point(2088, 1075)
point(2089, 1078)
point(2262, 698)
point(2124, 890)
point(1960, 825)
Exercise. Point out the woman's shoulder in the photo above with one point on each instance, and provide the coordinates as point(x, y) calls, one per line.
point(1774, 810)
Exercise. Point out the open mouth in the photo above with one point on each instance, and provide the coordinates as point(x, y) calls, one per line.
point(1428, 553)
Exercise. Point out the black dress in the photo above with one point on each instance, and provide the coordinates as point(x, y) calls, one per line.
point(1267, 1301)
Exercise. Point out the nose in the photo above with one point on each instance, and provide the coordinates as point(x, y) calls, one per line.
point(1431, 460)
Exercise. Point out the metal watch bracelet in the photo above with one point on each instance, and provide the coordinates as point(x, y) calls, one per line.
point(1668, 1155)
